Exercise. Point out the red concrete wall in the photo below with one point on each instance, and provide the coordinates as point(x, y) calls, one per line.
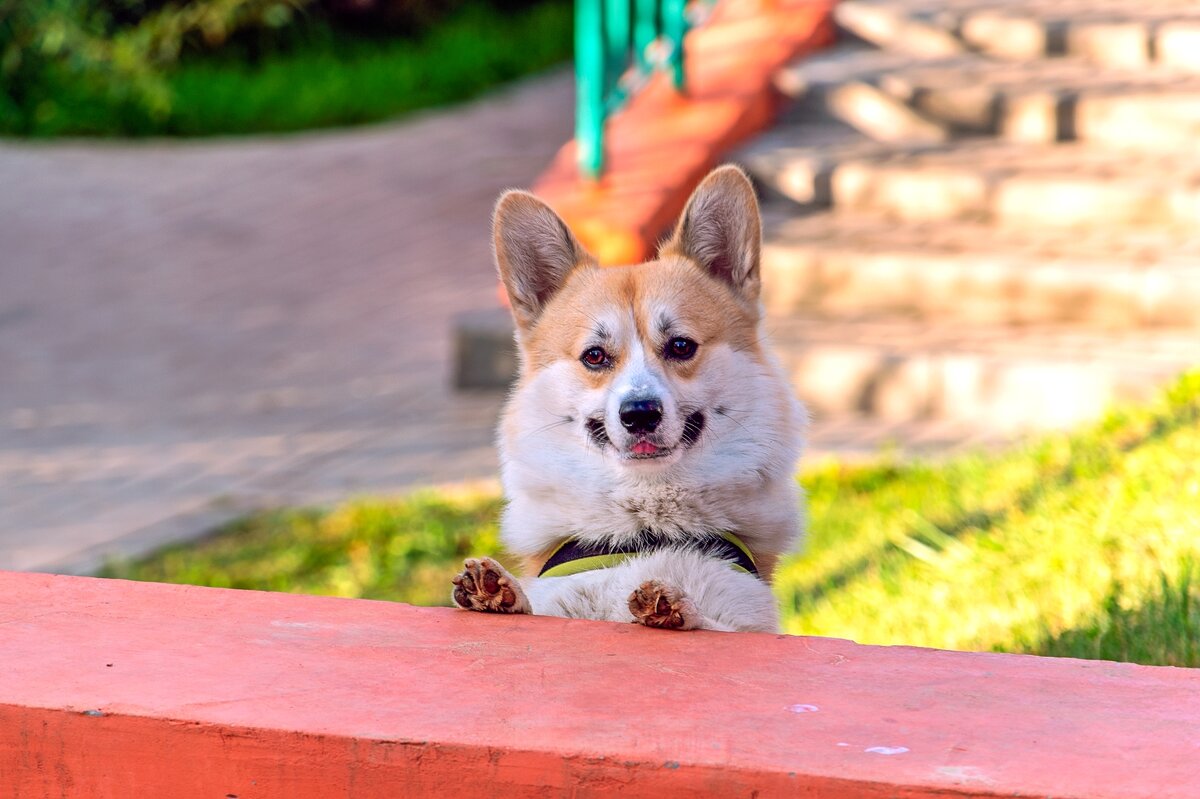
point(117, 689)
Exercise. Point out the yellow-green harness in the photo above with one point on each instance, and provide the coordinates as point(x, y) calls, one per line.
point(573, 556)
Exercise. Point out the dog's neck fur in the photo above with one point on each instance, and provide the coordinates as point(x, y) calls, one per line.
point(738, 478)
point(541, 513)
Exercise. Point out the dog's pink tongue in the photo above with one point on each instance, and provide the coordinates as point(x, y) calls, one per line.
point(644, 448)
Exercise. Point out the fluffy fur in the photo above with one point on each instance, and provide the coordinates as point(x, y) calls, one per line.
point(722, 458)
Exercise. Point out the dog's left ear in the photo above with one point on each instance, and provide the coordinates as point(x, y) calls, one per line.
point(721, 230)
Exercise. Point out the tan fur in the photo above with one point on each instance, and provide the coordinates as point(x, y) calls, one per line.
point(709, 313)
point(722, 456)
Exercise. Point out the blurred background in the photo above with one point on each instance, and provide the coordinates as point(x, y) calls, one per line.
point(244, 252)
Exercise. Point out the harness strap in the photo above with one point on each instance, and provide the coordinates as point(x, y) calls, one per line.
point(573, 556)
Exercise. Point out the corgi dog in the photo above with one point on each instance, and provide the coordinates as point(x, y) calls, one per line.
point(648, 448)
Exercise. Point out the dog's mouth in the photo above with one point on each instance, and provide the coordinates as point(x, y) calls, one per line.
point(647, 447)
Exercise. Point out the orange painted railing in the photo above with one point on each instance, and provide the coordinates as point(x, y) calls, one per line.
point(118, 689)
point(663, 142)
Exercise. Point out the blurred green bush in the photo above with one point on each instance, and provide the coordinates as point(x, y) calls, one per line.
point(403, 15)
point(104, 67)
point(74, 65)
point(395, 14)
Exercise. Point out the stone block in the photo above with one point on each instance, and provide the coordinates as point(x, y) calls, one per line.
point(970, 108)
point(1177, 44)
point(904, 388)
point(881, 116)
point(834, 379)
point(1064, 201)
point(897, 30)
point(1004, 35)
point(1032, 118)
point(1123, 43)
point(911, 193)
point(485, 354)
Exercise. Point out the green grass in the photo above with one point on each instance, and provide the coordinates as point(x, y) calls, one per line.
point(379, 549)
point(343, 79)
point(1078, 545)
point(316, 76)
point(1048, 548)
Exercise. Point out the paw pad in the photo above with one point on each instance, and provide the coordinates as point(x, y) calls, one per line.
point(484, 585)
point(657, 605)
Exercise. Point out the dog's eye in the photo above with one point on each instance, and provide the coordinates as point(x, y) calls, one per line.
point(595, 358)
point(681, 349)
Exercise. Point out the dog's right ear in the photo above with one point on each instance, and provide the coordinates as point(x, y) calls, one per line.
point(535, 251)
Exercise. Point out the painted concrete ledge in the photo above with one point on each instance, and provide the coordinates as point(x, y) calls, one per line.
point(661, 145)
point(117, 689)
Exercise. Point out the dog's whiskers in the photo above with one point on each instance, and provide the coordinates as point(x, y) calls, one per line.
point(693, 426)
point(597, 434)
point(559, 422)
point(721, 411)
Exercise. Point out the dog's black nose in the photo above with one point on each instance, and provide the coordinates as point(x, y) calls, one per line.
point(641, 416)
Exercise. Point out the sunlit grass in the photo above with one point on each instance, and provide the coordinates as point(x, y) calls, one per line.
point(1013, 552)
point(379, 549)
point(1076, 545)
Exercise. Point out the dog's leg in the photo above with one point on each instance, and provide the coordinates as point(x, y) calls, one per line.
point(485, 585)
point(657, 604)
point(668, 589)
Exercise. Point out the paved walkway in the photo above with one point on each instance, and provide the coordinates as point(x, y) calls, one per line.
point(190, 326)
point(191, 330)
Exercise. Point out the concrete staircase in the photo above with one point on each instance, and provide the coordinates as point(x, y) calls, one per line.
point(987, 212)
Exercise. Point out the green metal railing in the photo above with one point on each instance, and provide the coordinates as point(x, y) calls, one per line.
point(618, 45)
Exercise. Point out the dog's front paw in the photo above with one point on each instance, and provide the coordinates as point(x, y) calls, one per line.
point(485, 585)
point(656, 604)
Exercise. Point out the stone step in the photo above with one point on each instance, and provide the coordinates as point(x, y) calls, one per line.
point(796, 160)
point(1116, 33)
point(895, 97)
point(972, 274)
point(1158, 118)
point(1063, 185)
point(1002, 378)
point(1053, 100)
point(1066, 185)
point(912, 29)
point(840, 86)
point(847, 60)
point(861, 375)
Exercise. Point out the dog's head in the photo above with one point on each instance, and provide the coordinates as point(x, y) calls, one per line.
point(640, 365)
